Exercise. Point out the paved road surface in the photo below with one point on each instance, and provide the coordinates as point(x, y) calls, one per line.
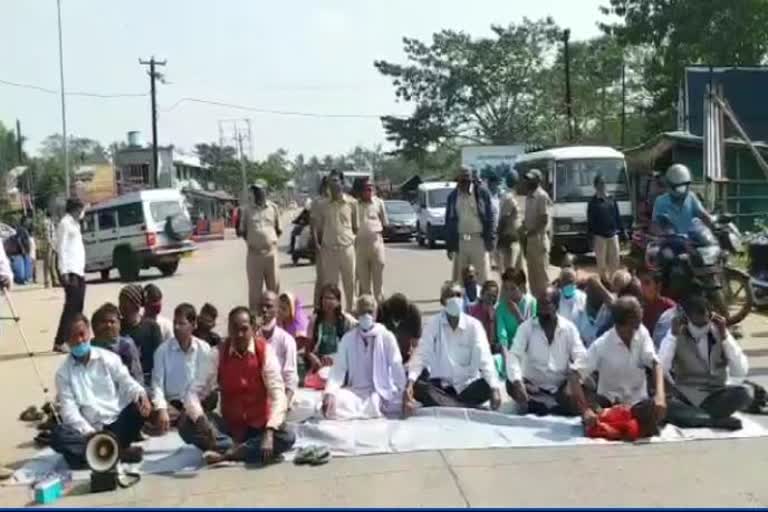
point(722, 473)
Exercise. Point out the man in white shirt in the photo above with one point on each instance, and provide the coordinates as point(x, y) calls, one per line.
point(706, 367)
point(454, 351)
point(539, 360)
point(283, 343)
point(573, 302)
point(71, 254)
point(621, 358)
point(95, 392)
point(367, 378)
point(178, 362)
point(253, 403)
point(6, 278)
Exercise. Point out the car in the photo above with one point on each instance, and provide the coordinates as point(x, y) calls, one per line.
point(432, 198)
point(402, 221)
point(138, 230)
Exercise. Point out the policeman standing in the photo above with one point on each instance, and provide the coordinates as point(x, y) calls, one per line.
point(537, 225)
point(260, 227)
point(510, 220)
point(336, 229)
point(369, 244)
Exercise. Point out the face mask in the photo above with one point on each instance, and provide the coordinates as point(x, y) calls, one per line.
point(153, 309)
point(81, 350)
point(680, 190)
point(569, 291)
point(365, 321)
point(453, 306)
point(698, 332)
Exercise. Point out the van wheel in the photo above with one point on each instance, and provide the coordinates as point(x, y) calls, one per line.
point(105, 274)
point(168, 269)
point(430, 241)
point(419, 237)
point(127, 263)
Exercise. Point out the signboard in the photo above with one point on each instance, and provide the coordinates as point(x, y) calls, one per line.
point(486, 160)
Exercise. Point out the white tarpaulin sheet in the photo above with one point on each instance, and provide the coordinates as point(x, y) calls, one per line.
point(428, 429)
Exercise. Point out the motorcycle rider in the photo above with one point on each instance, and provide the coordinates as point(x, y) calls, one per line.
point(680, 205)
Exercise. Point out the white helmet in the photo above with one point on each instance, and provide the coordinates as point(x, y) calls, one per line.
point(678, 174)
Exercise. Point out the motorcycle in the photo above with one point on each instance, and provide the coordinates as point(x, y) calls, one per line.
point(697, 262)
point(758, 268)
point(302, 242)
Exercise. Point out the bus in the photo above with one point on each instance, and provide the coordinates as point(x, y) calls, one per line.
point(569, 173)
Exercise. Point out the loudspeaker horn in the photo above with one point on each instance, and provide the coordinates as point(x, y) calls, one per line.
point(102, 452)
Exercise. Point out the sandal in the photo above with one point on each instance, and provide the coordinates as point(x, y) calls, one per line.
point(31, 414)
point(312, 455)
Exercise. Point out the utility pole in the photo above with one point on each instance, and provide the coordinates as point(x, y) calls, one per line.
point(568, 103)
point(153, 75)
point(237, 133)
point(63, 105)
point(623, 102)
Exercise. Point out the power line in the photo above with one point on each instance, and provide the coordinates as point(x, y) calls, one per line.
point(270, 111)
point(73, 93)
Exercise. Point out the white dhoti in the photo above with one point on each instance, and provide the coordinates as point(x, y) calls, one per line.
point(361, 405)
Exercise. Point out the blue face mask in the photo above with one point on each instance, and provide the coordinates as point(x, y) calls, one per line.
point(81, 350)
point(569, 291)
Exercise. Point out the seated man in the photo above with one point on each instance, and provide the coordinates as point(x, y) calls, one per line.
point(485, 311)
point(144, 332)
point(178, 362)
point(701, 356)
point(471, 287)
point(455, 358)
point(573, 302)
point(654, 304)
point(282, 343)
point(402, 318)
point(153, 305)
point(253, 403)
point(621, 357)
point(206, 321)
point(95, 392)
point(367, 378)
point(544, 349)
point(105, 322)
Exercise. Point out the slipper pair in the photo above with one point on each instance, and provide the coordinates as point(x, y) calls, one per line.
point(312, 456)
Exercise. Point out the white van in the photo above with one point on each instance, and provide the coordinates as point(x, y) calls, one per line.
point(430, 205)
point(150, 228)
point(569, 173)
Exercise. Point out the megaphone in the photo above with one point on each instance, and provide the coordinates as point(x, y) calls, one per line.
point(102, 454)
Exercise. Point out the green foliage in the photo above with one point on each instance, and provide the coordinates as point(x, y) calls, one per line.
point(686, 32)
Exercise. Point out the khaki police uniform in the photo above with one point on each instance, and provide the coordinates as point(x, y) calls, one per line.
point(338, 224)
point(510, 220)
point(314, 223)
point(537, 242)
point(261, 226)
point(471, 243)
point(369, 246)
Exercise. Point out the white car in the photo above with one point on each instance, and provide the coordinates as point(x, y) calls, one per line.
point(150, 228)
point(432, 198)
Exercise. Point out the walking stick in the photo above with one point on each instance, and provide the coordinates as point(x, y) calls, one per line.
point(17, 320)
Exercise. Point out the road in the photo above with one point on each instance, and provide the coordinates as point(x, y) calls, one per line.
point(705, 473)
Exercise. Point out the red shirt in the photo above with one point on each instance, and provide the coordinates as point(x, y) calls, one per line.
point(244, 395)
point(652, 311)
point(487, 317)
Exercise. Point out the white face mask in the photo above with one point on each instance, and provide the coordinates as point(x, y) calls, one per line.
point(698, 332)
point(681, 189)
point(366, 322)
point(453, 306)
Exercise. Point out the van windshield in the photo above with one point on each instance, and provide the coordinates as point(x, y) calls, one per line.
point(574, 178)
point(438, 197)
point(161, 210)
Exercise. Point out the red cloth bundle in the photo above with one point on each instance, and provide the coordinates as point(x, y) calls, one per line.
point(616, 423)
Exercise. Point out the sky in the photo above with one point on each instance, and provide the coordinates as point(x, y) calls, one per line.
point(297, 56)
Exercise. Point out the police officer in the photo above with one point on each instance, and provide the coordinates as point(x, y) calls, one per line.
point(260, 227)
point(369, 244)
point(336, 229)
point(537, 225)
point(510, 220)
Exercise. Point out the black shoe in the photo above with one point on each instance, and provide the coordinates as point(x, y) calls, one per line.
point(729, 423)
point(132, 455)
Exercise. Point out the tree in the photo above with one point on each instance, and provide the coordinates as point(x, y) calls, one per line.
point(81, 149)
point(687, 32)
point(483, 90)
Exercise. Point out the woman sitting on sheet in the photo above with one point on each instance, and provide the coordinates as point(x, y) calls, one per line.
point(367, 378)
point(291, 317)
point(326, 329)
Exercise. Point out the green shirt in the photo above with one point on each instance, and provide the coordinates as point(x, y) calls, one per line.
point(506, 322)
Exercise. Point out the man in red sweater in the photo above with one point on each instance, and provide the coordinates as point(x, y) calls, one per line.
point(253, 402)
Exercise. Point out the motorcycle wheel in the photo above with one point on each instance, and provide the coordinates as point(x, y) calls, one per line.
point(736, 295)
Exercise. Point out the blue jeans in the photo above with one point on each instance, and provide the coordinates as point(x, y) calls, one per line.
point(71, 444)
point(283, 439)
